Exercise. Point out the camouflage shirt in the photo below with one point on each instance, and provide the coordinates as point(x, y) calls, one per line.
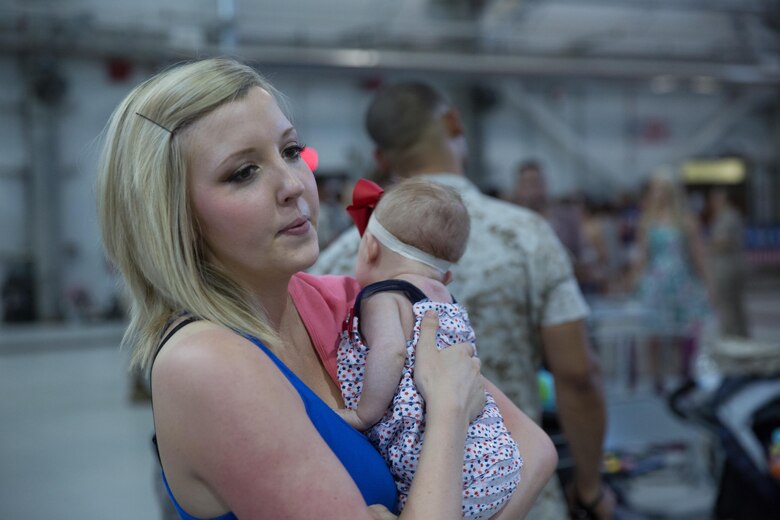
point(514, 278)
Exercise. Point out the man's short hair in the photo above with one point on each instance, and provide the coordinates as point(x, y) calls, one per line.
point(529, 165)
point(399, 114)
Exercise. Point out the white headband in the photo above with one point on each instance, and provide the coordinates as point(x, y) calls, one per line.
point(389, 241)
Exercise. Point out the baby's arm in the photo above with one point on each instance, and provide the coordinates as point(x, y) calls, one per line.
point(381, 323)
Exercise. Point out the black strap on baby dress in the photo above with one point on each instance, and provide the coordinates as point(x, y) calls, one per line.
point(412, 292)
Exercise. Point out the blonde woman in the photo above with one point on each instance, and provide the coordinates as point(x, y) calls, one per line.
point(210, 214)
point(670, 273)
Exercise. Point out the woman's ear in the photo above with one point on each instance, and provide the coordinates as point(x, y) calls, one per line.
point(447, 278)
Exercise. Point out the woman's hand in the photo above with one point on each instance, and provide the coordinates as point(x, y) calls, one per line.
point(449, 380)
point(454, 391)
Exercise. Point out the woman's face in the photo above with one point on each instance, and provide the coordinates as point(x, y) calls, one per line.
point(659, 194)
point(254, 198)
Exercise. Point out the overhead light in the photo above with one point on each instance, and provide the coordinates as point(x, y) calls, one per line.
point(714, 171)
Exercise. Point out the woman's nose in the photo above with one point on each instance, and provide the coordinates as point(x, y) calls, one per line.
point(292, 186)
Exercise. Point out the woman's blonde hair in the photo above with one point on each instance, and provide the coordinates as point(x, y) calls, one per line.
point(672, 199)
point(147, 225)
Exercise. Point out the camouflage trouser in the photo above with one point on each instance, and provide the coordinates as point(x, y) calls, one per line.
point(550, 505)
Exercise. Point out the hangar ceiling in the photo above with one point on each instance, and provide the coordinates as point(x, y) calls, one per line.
point(732, 40)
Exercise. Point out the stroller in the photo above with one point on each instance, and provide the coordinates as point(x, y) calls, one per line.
point(741, 413)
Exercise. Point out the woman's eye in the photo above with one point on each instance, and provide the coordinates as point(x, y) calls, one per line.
point(243, 174)
point(292, 152)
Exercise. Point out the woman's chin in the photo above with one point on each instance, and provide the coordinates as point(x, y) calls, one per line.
point(307, 258)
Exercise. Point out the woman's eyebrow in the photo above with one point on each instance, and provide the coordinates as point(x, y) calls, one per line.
point(238, 153)
point(289, 131)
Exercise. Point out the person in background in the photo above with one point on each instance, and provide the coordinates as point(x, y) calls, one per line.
point(516, 280)
point(209, 212)
point(530, 191)
point(594, 263)
point(727, 263)
point(417, 230)
point(627, 214)
point(670, 275)
point(333, 219)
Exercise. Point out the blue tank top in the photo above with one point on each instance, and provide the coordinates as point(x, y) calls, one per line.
point(363, 463)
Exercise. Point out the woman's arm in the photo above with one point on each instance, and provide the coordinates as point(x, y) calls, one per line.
point(638, 260)
point(234, 434)
point(539, 456)
point(696, 249)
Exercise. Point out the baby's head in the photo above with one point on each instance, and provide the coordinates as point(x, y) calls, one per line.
point(428, 217)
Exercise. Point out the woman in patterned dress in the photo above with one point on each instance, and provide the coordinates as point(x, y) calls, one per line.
point(671, 274)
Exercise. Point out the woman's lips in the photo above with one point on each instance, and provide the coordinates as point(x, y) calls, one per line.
point(299, 226)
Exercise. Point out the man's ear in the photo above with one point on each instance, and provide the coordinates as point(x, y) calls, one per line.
point(453, 123)
point(447, 278)
point(372, 248)
point(382, 164)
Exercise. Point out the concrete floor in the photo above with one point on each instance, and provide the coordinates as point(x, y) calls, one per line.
point(74, 445)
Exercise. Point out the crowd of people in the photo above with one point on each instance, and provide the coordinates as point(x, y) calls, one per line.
point(686, 268)
point(394, 373)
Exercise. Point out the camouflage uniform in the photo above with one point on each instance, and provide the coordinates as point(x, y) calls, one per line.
point(514, 278)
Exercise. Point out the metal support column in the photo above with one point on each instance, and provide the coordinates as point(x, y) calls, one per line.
point(41, 117)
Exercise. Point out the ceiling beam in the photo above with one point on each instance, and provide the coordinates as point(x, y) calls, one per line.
point(560, 132)
point(711, 130)
point(157, 47)
point(743, 7)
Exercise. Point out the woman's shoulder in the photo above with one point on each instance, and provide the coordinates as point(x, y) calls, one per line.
point(213, 393)
point(195, 340)
point(204, 352)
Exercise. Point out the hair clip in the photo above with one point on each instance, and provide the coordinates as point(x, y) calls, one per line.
point(153, 122)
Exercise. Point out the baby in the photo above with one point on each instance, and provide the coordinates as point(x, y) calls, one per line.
point(416, 231)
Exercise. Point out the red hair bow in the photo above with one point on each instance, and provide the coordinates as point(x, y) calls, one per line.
point(365, 197)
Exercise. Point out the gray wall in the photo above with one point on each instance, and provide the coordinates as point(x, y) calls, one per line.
point(598, 136)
